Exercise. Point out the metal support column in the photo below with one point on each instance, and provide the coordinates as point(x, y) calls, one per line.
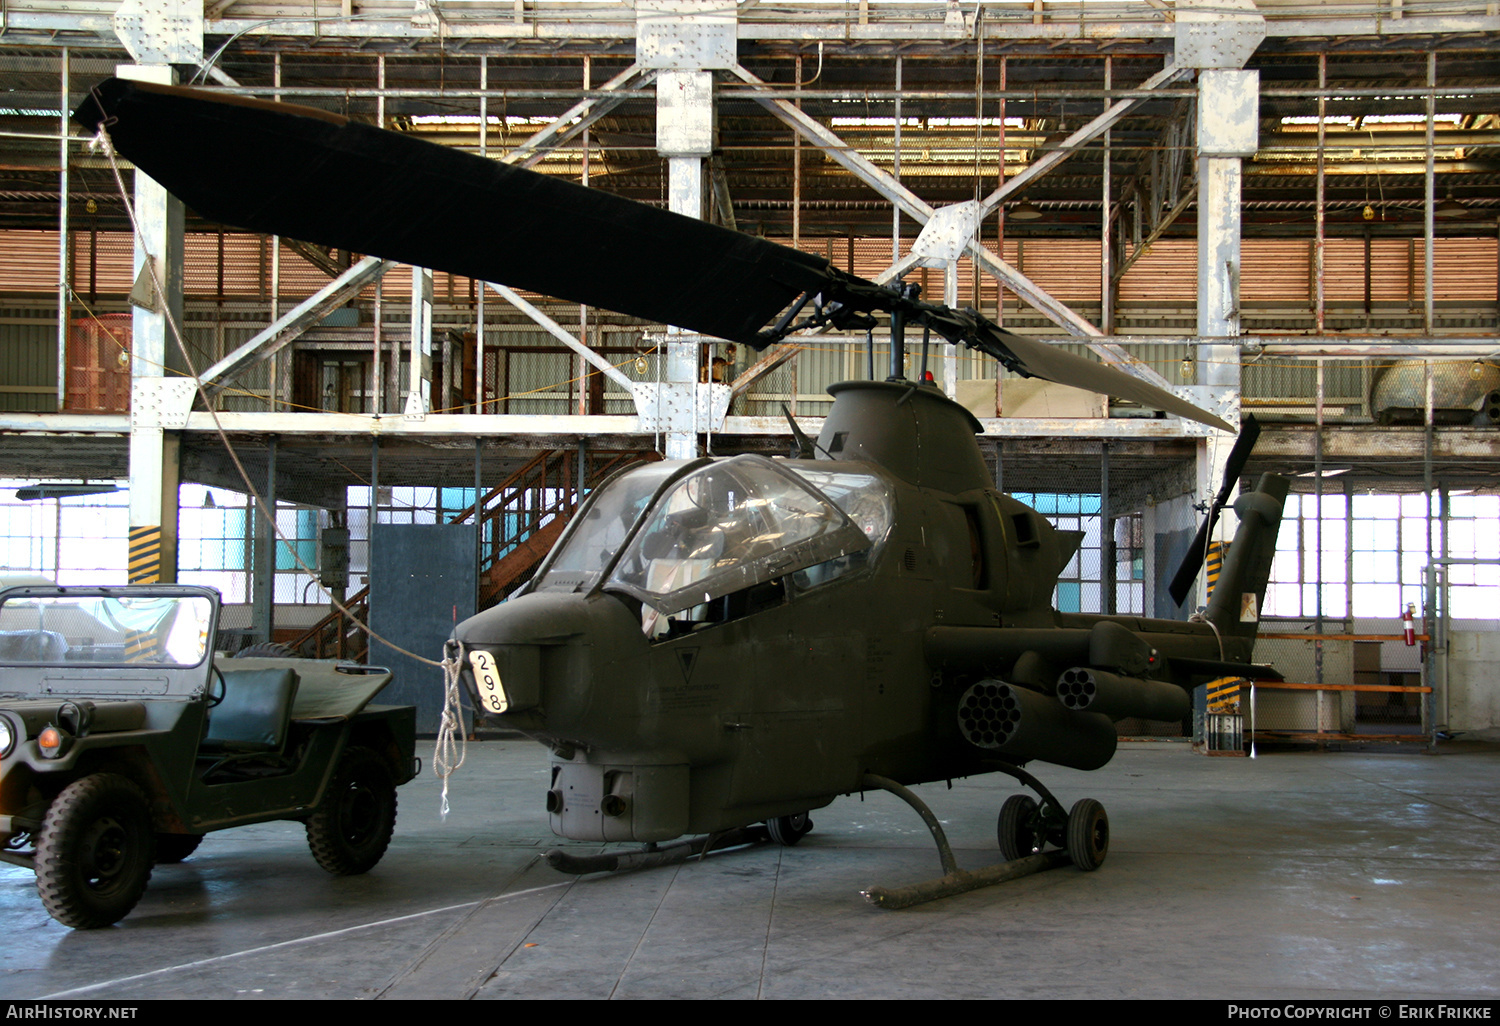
point(419, 388)
point(64, 278)
point(1228, 109)
point(156, 401)
point(1107, 568)
point(263, 589)
point(479, 291)
point(684, 136)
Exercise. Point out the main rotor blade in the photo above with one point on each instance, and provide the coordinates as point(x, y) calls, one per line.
point(310, 175)
point(1046, 361)
point(1040, 360)
point(1234, 467)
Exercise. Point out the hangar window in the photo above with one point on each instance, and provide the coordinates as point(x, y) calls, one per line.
point(1363, 555)
point(1081, 587)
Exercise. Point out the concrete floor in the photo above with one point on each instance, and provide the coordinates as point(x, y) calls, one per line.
point(1294, 875)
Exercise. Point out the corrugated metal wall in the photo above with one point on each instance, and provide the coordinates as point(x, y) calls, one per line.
point(28, 359)
point(1273, 270)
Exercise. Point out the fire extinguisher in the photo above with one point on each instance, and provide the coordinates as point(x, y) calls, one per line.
point(1408, 628)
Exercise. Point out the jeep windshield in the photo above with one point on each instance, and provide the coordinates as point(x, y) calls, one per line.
point(142, 628)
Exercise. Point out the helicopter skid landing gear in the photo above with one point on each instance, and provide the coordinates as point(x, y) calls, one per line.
point(652, 855)
point(1025, 828)
point(954, 880)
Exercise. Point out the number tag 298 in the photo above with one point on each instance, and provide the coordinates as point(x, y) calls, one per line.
point(487, 679)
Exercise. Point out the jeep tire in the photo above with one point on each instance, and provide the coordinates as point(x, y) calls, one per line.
point(95, 851)
point(352, 825)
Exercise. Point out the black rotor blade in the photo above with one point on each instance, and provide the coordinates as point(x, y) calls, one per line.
point(311, 175)
point(307, 174)
point(1040, 360)
point(1234, 467)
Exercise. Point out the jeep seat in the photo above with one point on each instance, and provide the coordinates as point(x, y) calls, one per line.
point(32, 646)
point(254, 714)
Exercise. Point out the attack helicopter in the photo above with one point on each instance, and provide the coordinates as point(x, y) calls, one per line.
point(719, 646)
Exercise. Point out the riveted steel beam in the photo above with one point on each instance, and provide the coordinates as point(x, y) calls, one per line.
point(560, 333)
point(1070, 145)
point(572, 123)
point(290, 325)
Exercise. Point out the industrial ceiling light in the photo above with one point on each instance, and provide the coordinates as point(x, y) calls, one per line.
point(1024, 211)
point(1450, 207)
point(62, 491)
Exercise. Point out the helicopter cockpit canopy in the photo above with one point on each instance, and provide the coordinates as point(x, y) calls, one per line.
point(727, 526)
point(717, 528)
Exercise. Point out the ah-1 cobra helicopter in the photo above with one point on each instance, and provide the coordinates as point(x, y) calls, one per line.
point(718, 643)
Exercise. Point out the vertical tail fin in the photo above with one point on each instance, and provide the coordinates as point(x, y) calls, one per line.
point(1234, 607)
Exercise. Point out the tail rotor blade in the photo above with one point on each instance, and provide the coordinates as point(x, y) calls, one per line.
point(1234, 467)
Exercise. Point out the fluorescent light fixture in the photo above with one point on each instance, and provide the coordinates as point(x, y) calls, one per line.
point(62, 491)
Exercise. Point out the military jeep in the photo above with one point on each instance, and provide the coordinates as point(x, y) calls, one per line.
point(124, 739)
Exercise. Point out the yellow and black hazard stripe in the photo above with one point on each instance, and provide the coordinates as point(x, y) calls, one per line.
point(145, 555)
point(1213, 562)
point(142, 647)
point(1224, 694)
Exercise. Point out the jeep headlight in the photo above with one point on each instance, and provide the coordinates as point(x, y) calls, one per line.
point(7, 737)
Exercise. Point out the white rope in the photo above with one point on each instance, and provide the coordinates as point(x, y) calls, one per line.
point(1200, 618)
point(452, 742)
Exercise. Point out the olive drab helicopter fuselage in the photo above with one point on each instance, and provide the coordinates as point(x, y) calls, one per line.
point(719, 642)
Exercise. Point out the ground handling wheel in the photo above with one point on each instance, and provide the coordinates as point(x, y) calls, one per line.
point(1017, 829)
point(788, 830)
point(1088, 834)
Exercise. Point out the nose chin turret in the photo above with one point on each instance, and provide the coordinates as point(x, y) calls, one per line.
point(532, 659)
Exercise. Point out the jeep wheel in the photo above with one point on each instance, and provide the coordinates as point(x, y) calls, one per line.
point(94, 854)
point(352, 825)
point(176, 847)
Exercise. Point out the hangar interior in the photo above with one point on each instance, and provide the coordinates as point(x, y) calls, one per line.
point(1272, 208)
